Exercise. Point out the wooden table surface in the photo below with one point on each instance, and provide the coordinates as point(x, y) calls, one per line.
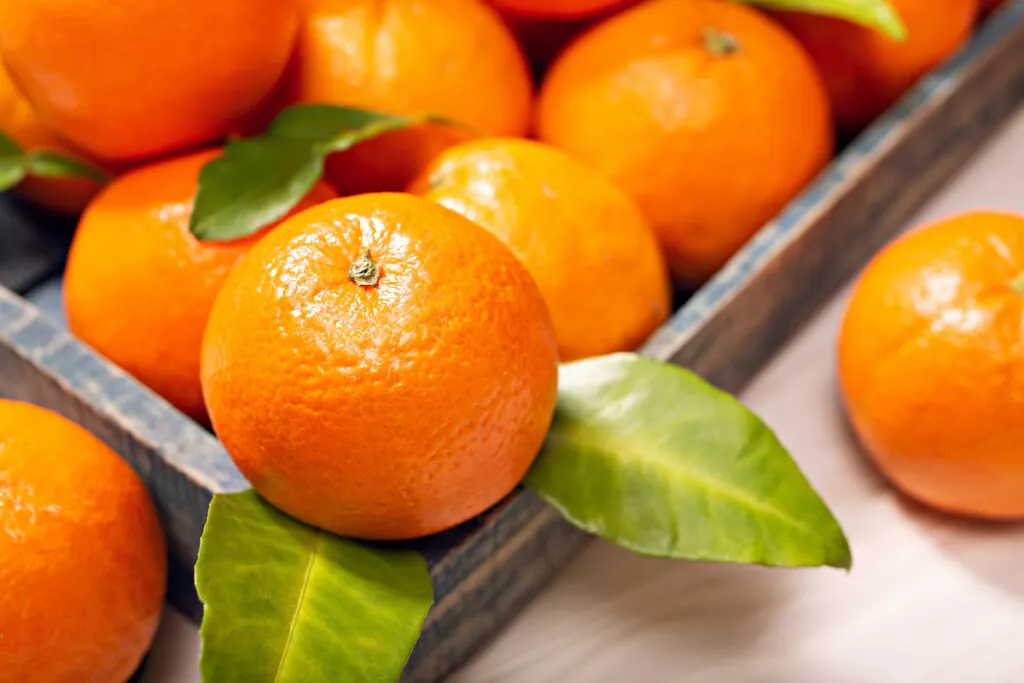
point(930, 599)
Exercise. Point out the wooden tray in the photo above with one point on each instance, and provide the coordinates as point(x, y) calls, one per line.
point(489, 568)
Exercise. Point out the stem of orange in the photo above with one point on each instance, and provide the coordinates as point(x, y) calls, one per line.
point(1017, 284)
point(363, 271)
point(720, 43)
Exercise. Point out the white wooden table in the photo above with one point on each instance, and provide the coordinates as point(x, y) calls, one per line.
point(930, 599)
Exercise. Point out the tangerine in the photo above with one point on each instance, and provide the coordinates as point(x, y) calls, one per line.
point(452, 58)
point(82, 559)
point(138, 285)
point(688, 105)
point(585, 242)
point(19, 122)
point(865, 71)
point(125, 81)
point(932, 367)
point(381, 367)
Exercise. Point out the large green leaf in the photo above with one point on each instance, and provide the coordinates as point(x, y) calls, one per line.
point(649, 456)
point(286, 603)
point(875, 14)
point(16, 164)
point(258, 180)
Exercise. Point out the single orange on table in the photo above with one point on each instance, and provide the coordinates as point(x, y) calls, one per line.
point(83, 568)
point(931, 364)
point(865, 71)
point(585, 242)
point(381, 367)
point(127, 81)
point(451, 58)
point(690, 106)
point(139, 286)
point(19, 122)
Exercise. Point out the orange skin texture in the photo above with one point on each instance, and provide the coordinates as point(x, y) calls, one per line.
point(170, 75)
point(585, 242)
point(82, 563)
point(19, 122)
point(452, 58)
point(932, 367)
point(389, 411)
point(866, 72)
point(709, 145)
point(139, 286)
point(557, 9)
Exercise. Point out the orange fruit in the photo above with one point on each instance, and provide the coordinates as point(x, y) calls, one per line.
point(688, 105)
point(381, 367)
point(125, 81)
point(556, 9)
point(82, 560)
point(453, 58)
point(19, 122)
point(138, 285)
point(932, 367)
point(584, 241)
point(865, 71)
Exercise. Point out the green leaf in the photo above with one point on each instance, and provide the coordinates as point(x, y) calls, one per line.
point(287, 603)
point(252, 184)
point(652, 458)
point(257, 181)
point(15, 165)
point(46, 164)
point(879, 15)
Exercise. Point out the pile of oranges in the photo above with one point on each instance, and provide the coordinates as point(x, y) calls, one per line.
point(382, 363)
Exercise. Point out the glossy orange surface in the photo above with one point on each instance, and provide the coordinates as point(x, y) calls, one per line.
point(707, 113)
point(139, 286)
point(130, 80)
point(390, 409)
point(931, 362)
point(585, 242)
point(82, 558)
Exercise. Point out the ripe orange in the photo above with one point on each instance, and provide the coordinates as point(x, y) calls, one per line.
point(453, 58)
point(381, 367)
point(932, 366)
point(688, 105)
point(866, 72)
point(138, 285)
point(19, 122)
point(82, 559)
point(125, 81)
point(585, 242)
point(556, 9)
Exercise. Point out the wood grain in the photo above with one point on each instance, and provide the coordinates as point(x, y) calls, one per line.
point(487, 570)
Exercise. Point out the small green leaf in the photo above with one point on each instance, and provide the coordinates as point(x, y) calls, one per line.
point(258, 180)
point(12, 163)
point(15, 165)
point(652, 458)
point(287, 603)
point(879, 15)
point(252, 184)
point(47, 164)
point(323, 122)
